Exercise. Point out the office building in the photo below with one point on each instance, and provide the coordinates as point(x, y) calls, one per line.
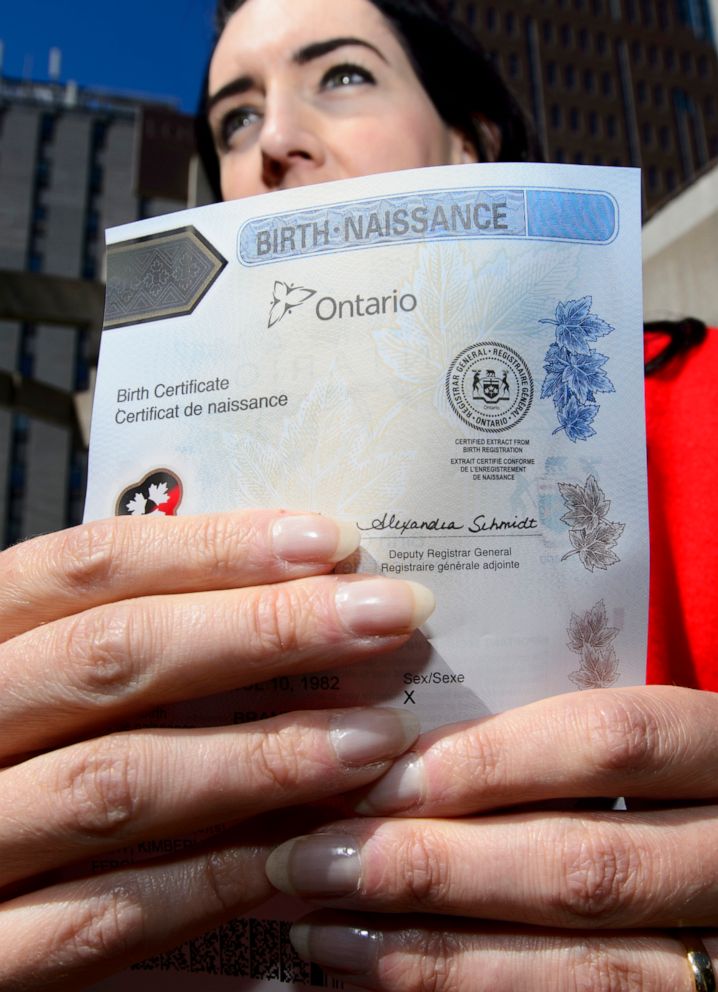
point(73, 162)
point(611, 82)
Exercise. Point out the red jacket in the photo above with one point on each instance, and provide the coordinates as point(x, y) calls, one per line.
point(682, 427)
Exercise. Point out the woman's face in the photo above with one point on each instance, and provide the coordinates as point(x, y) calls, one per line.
point(305, 91)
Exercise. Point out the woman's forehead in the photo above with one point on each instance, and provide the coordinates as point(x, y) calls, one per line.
point(265, 31)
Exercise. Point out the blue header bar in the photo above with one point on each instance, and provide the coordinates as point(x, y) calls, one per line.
point(538, 214)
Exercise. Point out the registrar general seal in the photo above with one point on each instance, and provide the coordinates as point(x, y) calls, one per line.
point(489, 387)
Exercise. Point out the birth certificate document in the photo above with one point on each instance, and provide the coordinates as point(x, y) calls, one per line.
point(453, 359)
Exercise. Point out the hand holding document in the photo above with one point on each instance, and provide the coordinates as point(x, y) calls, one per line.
point(451, 360)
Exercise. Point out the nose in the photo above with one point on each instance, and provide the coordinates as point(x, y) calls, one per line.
point(290, 140)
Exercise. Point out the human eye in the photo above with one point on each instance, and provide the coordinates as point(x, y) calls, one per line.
point(234, 124)
point(346, 74)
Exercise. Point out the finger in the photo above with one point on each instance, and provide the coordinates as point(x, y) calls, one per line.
point(426, 956)
point(114, 661)
point(71, 805)
point(72, 935)
point(127, 557)
point(611, 870)
point(656, 742)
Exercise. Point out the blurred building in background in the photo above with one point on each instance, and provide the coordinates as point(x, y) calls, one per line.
point(611, 82)
point(73, 161)
point(631, 83)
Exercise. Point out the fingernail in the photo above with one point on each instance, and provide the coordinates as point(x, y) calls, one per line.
point(363, 736)
point(352, 950)
point(383, 606)
point(312, 537)
point(401, 788)
point(318, 866)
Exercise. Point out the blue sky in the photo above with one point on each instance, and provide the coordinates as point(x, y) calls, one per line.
point(158, 47)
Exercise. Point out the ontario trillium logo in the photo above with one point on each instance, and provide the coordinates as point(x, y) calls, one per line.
point(285, 298)
point(159, 492)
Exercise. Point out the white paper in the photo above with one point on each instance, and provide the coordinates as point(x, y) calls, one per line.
point(453, 358)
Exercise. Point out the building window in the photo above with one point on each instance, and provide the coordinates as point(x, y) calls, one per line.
point(47, 128)
point(570, 76)
point(642, 91)
point(601, 42)
point(578, 157)
point(551, 71)
point(593, 122)
point(589, 80)
point(28, 342)
point(514, 65)
point(664, 138)
point(659, 95)
point(491, 18)
point(560, 155)
point(694, 14)
point(566, 35)
point(649, 13)
point(652, 174)
point(556, 115)
point(548, 31)
point(97, 177)
point(584, 40)
point(92, 224)
point(42, 173)
point(611, 126)
point(671, 181)
point(647, 132)
point(35, 261)
point(574, 119)
point(687, 64)
point(637, 52)
point(510, 23)
point(99, 133)
point(669, 57)
point(607, 84)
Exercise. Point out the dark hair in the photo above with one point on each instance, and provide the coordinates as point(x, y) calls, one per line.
point(456, 73)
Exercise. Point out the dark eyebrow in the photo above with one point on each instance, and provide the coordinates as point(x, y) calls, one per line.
point(319, 48)
point(240, 85)
point(307, 54)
